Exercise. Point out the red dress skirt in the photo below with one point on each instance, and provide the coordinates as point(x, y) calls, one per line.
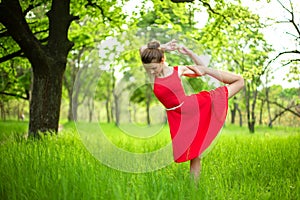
point(194, 120)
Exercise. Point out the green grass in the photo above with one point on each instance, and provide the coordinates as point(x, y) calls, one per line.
point(264, 165)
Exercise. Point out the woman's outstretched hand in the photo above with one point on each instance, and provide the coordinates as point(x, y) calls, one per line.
point(193, 71)
point(199, 70)
point(184, 50)
point(170, 46)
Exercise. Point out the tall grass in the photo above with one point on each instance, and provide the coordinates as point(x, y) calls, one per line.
point(264, 165)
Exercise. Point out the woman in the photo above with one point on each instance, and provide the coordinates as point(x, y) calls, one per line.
point(194, 120)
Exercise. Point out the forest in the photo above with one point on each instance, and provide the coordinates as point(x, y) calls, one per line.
point(79, 120)
point(80, 61)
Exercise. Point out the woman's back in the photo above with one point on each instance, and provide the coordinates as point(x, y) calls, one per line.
point(169, 90)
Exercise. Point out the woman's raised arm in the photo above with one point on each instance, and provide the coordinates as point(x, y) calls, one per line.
point(235, 82)
point(196, 59)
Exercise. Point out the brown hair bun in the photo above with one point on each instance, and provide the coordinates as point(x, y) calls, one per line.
point(153, 45)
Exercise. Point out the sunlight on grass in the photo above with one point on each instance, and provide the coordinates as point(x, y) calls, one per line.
point(264, 165)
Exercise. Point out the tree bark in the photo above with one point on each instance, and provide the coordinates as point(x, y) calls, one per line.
point(261, 111)
point(45, 102)
point(233, 111)
point(117, 109)
point(268, 107)
point(90, 102)
point(240, 116)
point(107, 110)
point(116, 99)
point(250, 107)
point(253, 117)
point(2, 110)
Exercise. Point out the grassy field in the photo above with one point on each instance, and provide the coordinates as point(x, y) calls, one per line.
point(264, 165)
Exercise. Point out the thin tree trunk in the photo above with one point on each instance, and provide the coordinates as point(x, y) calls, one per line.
point(240, 116)
point(253, 110)
point(261, 112)
point(117, 109)
point(129, 112)
point(233, 110)
point(2, 109)
point(75, 103)
point(91, 109)
point(107, 110)
point(269, 108)
point(250, 108)
point(70, 113)
point(134, 113)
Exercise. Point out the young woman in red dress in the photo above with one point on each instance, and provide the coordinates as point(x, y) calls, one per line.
point(194, 120)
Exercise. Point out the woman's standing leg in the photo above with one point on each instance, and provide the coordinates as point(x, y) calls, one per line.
point(195, 168)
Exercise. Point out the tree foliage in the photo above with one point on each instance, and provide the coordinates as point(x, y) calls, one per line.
point(43, 41)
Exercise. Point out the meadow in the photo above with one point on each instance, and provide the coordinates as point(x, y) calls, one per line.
point(264, 165)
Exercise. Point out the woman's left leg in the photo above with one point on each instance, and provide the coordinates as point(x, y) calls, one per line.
point(195, 168)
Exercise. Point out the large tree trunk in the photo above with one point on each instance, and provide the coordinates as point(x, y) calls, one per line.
point(45, 102)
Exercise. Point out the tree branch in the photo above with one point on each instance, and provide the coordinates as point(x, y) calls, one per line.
point(208, 6)
point(285, 52)
point(11, 56)
point(95, 5)
point(283, 6)
point(18, 53)
point(30, 7)
point(15, 95)
point(292, 14)
point(292, 105)
point(291, 61)
point(11, 16)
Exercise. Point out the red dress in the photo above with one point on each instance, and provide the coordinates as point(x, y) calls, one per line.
point(194, 120)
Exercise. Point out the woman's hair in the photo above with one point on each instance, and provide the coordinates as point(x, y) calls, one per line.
point(153, 53)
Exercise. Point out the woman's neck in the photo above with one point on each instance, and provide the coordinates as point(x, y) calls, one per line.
point(163, 71)
point(160, 70)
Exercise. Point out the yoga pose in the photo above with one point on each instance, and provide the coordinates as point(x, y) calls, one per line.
point(194, 120)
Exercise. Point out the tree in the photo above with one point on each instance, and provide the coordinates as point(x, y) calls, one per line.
point(79, 79)
point(239, 46)
point(287, 101)
point(47, 47)
point(291, 56)
point(103, 92)
point(48, 61)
